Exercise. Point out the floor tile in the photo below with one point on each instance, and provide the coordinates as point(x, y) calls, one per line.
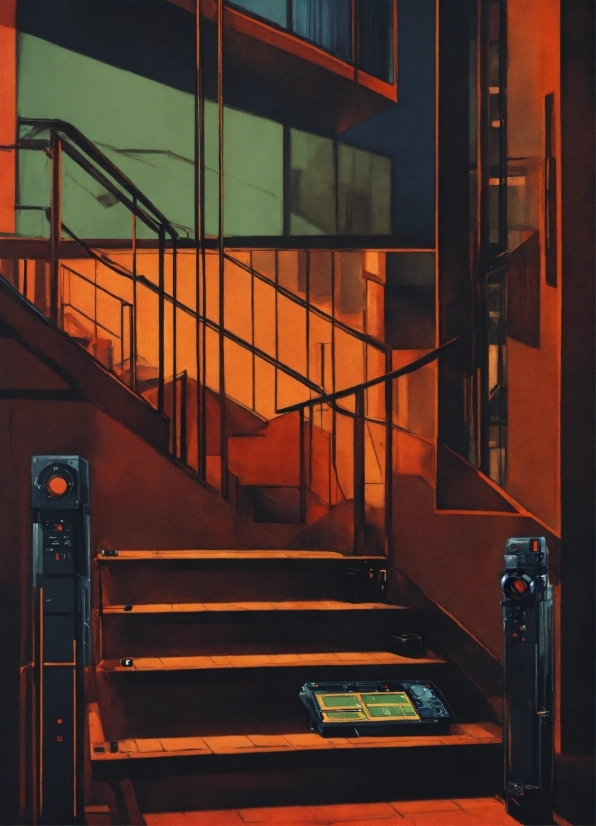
point(149, 745)
point(277, 741)
point(224, 817)
point(346, 812)
point(408, 806)
point(479, 803)
point(183, 744)
point(308, 741)
point(227, 744)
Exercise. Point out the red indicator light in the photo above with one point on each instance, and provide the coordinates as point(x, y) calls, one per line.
point(57, 486)
point(59, 527)
point(535, 545)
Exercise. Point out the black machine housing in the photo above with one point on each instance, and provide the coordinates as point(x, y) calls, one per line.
point(422, 708)
point(62, 640)
point(528, 638)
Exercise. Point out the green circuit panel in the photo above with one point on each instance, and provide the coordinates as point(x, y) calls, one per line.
point(338, 701)
point(381, 706)
point(389, 706)
point(344, 716)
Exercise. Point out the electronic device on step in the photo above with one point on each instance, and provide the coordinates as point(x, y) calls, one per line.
point(394, 707)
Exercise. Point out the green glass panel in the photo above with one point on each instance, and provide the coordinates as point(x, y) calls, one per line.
point(312, 179)
point(363, 192)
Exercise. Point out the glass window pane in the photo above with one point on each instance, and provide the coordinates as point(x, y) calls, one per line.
point(326, 23)
point(273, 10)
point(375, 38)
point(364, 192)
point(312, 189)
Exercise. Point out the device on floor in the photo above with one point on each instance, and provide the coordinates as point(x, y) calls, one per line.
point(369, 708)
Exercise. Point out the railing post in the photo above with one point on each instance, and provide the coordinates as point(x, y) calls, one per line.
point(183, 407)
point(224, 472)
point(388, 467)
point(359, 475)
point(55, 227)
point(131, 341)
point(302, 501)
point(160, 324)
point(174, 347)
point(133, 309)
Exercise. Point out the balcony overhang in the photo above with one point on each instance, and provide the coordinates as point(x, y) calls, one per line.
point(279, 75)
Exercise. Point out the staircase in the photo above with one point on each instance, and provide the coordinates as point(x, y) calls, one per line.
point(195, 705)
point(199, 655)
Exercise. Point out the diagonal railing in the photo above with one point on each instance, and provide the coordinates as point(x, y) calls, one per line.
point(360, 421)
point(130, 297)
point(115, 297)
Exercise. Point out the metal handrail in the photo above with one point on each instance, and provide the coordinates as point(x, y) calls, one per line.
point(77, 137)
point(213, 325)
point(365, 385)
point(306, 305)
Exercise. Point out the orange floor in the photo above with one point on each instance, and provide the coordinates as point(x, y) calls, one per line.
point(486, 811)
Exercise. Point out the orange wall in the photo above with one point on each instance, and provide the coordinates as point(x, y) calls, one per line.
point(456, 559)
point(8, 111)
point(533, 374)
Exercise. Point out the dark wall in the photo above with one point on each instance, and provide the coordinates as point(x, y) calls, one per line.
point(577, 379)
point(406, 133)
point(138, 499)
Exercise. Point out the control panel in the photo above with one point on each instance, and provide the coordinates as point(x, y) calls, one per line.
point(62, 640)
point(383, 708)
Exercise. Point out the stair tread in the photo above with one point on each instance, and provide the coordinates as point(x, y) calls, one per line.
point(206, 607)
point(462, 734)
point(339, 658)
point(231, 554)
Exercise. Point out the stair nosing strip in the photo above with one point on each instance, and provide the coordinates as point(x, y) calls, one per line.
point(264, 606)
point(321, 743)
point(323, 659)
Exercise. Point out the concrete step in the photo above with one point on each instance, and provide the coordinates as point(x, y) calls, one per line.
point(137, 577)
point(213, 772)
point(235, 695)
point(241, 628)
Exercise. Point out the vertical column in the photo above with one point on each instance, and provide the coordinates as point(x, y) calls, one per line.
point(8, 113)
point(224, 485)
point(55, 227)
point(359, 475)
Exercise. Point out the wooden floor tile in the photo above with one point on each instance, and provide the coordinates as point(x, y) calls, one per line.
point(308, 741)
point(184, 744)
point(407, 807)
point(226, 744)
point(148, 746)
point(479, 803)
point(318, 814)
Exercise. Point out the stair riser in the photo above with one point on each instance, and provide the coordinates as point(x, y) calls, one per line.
point(312, 778)
point(158, 635)
point(138, 583)
point(254, 701)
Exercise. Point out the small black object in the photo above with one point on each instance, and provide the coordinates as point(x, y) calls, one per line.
point(128, 607)
point(114, 746)
point(407, 645)
point(127, 662)
point(109, 552)
point(359, 709)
